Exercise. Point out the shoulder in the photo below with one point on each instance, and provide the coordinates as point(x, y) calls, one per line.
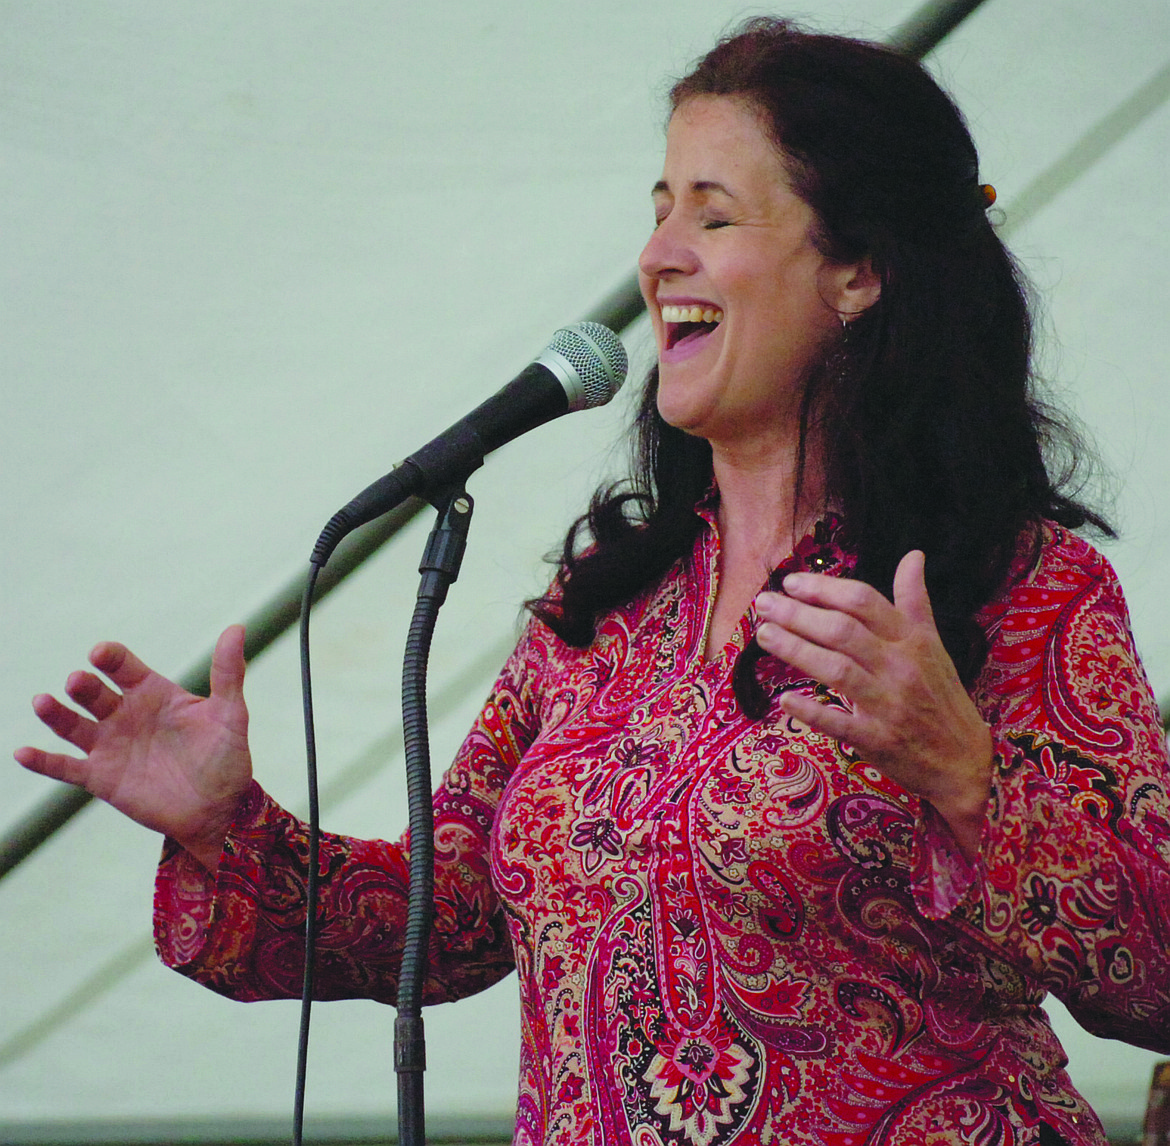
point(1052, 567)
point(1060, 619)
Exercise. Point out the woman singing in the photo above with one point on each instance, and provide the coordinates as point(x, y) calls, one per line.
point(827, 754)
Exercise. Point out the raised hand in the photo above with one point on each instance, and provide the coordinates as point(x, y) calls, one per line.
point(174, 762)
point(911, 716)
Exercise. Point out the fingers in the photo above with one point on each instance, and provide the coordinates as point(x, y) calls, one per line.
point(798, 629)
point(844, 595)
point(823, 718)
point(66, 723)
point(99, 701)
point(849, 637)
point(55, 765)
point(119, 664)
point(845, 612)
point(910, 595)
point(827, 646)
point(227, 664)
point(92, 693)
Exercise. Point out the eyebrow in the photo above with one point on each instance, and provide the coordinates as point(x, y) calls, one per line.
point(702, 186)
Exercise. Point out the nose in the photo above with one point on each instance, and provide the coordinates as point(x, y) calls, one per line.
point(667, 253)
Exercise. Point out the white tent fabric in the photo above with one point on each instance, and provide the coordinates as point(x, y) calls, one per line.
point(254, 254)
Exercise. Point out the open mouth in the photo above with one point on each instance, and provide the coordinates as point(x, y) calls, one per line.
point(685, 324)
point(678, 333)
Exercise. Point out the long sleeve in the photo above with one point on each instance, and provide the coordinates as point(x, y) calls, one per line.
point(241, 932)
point(1073, 883)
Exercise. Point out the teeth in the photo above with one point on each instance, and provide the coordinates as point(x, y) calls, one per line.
point(691, 314)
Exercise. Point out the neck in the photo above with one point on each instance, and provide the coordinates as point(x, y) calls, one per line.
point(760, 517)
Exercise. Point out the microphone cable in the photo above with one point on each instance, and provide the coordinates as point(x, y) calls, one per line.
point(583, 366)
point(312, 886)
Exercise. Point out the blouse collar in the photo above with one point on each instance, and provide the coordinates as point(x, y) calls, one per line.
point(822, 549)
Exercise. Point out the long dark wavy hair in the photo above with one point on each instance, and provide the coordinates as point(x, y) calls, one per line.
point(924, 413)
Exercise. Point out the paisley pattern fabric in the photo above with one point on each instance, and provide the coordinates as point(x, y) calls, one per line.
point(729, 931)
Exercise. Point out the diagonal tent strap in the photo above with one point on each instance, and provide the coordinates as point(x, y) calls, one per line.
point(1096, 142)
point(916, 37)
point(927, 27)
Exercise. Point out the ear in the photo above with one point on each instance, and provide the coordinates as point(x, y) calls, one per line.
point(852, 288)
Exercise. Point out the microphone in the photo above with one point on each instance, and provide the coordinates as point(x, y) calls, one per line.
point(583, 366)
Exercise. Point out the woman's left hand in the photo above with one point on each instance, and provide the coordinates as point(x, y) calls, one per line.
point(911, 717)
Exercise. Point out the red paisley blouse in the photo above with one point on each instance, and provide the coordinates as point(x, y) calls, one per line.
point(729, 931)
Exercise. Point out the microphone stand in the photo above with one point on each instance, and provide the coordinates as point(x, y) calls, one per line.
point(439, 569)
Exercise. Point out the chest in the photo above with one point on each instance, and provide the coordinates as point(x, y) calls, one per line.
point(735, 590)
point(648, 784)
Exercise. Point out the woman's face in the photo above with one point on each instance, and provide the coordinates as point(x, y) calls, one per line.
point(733, 249)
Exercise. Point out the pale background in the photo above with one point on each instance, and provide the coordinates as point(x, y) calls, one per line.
point(255, 253)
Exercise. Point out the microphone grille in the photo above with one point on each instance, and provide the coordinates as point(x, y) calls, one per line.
point(597, 359)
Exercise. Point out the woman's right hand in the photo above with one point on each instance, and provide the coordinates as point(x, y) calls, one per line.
point(174, 762)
